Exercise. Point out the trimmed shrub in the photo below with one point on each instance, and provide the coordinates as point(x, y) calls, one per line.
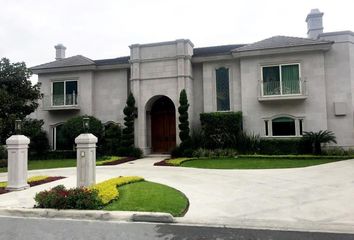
point(59, 154)
point(107, 190)
point(130, 152)
point(39, 144)
point(112, 139)
point(283, 146)
point(220, 129)
point(200, 153)
point(74, 127)
point(61, 198)
point(183, 121)
point(130, 114)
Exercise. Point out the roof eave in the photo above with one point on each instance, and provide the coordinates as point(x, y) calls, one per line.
point(281, 50)
point(63, 69)
point(211, 58)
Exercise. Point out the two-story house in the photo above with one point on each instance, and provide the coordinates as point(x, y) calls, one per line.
point(283, 86)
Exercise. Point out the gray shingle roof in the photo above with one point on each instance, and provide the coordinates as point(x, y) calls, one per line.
point(279, 42)
point(111, 61)
point(77, 60)
point(215, 50)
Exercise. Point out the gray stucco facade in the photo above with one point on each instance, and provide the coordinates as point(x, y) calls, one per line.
point(322, 100)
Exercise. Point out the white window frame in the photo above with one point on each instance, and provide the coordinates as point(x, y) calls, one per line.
point(270, 126)
point(64, 81)
point(230, 88)
point(281, 79)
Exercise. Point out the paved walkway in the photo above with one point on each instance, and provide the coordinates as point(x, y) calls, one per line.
point(298, 197)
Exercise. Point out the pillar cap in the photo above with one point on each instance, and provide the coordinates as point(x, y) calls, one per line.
point(86, 138)
point(18, 140)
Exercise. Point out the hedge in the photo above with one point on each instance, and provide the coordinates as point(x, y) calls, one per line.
point(220, 129)
point(283, 146)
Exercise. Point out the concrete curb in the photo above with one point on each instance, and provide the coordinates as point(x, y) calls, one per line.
point(89, 215)
point(276, 225)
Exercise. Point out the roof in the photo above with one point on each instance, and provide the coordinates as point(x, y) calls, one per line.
point(111, 61)
point(269, 43)
point(77, 60)
point(215, 50)
point(279, 42)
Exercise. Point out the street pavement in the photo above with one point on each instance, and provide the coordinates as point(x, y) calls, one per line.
point(316, 198)
point(58, 229)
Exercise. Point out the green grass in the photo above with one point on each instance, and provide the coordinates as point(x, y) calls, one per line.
point(149, 197)
point(253, 163)
point(59, 163)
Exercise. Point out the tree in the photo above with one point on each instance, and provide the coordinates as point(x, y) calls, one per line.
point(18, 97)
point(183, 120)
point(316, 138)
point(32, 128)
point(74, 127)
point(130, 114)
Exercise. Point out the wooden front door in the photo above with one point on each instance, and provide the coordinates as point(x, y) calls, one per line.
point(163, 126)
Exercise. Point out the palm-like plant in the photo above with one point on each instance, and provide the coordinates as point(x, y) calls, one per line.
point(316, 138)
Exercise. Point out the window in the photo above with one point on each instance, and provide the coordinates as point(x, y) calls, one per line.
point(58, 139)
point(283, 126)
point(64, 93)
point(222, 89)
point(281, 79)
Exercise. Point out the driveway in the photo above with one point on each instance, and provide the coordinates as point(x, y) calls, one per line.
point(311, 197)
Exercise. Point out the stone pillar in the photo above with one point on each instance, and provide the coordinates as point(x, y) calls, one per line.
point(86, 159)
point(17, 151)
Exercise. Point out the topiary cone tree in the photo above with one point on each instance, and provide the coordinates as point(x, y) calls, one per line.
point(183, 120)
point(130, 114)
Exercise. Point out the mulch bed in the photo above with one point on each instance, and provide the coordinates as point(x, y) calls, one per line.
point(119, 161)
point(162, 163)
point(47, 180)
point(35, 183)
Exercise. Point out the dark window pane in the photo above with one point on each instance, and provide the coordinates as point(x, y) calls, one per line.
point(266, 127)
point(271, 80)
point(58, 93)
point(283, 126)
point(222, 89)
point(61, 142)
point(300, 126)
point(71, 92)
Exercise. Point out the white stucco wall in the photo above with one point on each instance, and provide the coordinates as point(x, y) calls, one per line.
point(312, 109)
point(339, 66)
point(110, 94)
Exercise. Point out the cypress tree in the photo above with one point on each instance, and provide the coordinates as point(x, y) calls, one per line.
point(128, 131)
point(183, 120)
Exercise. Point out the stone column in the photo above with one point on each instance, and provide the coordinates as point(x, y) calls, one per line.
point(86, 159)
point(17, 151)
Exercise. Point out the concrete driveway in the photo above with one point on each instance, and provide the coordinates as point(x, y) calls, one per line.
point(313, 197)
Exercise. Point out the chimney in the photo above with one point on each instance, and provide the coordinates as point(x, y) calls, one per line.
point(59, 51)
point(314, 23)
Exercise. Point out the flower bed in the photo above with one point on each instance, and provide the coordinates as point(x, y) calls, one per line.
point(116, 161)
point(172, 162)
point(32, 181)
point(94, 197)
point(107, 190)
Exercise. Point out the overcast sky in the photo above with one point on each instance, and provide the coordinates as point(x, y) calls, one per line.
point(99, 29)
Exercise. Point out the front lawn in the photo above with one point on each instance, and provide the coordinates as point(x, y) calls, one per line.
point(254, 163)
point(64, 163)
point(149, 197)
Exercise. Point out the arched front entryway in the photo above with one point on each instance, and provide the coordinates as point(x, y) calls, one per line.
point(163, 125)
